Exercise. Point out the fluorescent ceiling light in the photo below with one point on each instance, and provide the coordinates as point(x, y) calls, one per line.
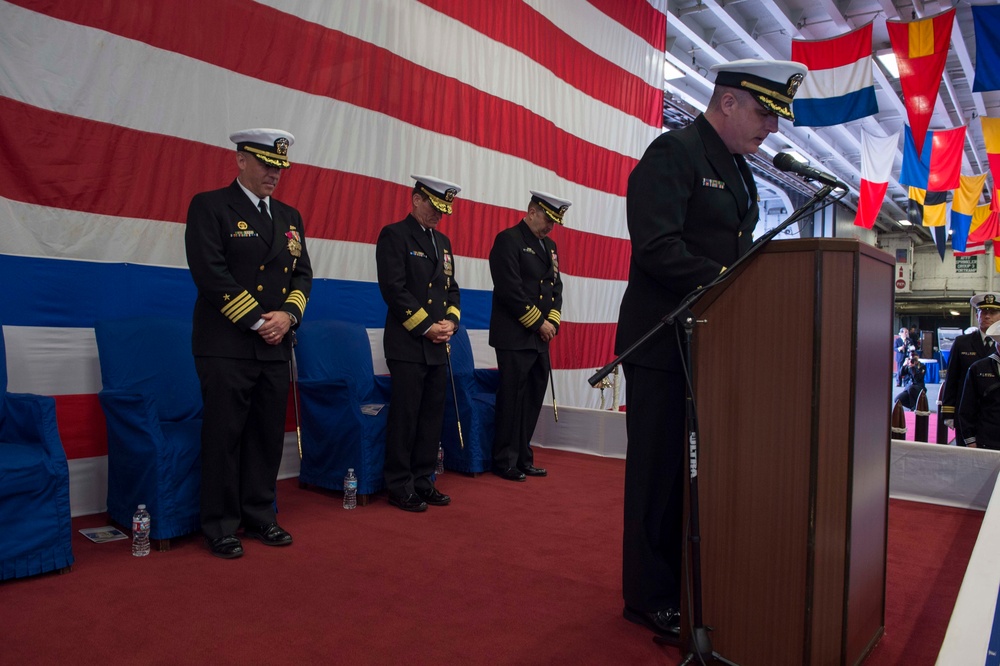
point(670, 72)
point(888, 61)
point(954, 313)
point(904, 223)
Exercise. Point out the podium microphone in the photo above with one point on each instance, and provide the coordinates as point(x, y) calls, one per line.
point(786, 162)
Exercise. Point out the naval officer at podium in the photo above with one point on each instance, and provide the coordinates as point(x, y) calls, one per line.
point(692, 209)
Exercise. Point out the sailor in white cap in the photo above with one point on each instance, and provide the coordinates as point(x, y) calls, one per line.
point(979, 406)
point(966, 350)
point(527, 304)
point(247, 255)
point(692, 209)
point(416, 275)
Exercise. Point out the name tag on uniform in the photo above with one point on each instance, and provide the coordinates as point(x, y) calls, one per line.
point(713, 183)
point(243, 231)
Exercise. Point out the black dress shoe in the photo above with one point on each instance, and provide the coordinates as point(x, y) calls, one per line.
point(666, 622)
point(269, 535)
point(227, 547)
point(509, 473)
point(411, 502)
point(531, 470)
point(434, 497)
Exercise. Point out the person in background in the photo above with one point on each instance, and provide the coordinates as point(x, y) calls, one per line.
point(966, 350)
point(527, 299)
point(692, 209)
point(247, 255)
point(979, 407)
point(899, 346)
point(416, 275)
point(912, 374)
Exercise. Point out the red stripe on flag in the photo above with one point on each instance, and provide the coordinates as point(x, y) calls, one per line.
point(508, 21)
point(63, 161)
point(839, 51)
point(639, 17)
point(84, 433)
point(81, 426)
point(579, 346)
point(358, 73)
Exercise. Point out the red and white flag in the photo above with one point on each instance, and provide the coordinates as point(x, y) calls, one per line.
point(876, 166)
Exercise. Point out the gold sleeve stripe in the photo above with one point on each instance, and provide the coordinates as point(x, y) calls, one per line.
point(239, 306)
point(555, 316)
point(298, 299)
point(947, 409)
point(452, 310)
point(415, 320)
point(529, 318)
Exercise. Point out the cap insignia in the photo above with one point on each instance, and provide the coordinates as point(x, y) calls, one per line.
point(281, 146)
point(450, 193)
point(794, 83)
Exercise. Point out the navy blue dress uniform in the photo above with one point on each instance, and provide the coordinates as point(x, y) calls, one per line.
point(966, 350)
point(979, 406)
point(527, 293)
point(248, 260)
point(899, 346)
point(692, 208)
point(416, 275)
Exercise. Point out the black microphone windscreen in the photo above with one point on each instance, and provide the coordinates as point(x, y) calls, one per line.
point(784, 161)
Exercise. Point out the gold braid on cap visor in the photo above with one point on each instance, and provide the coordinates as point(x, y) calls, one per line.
point(273, 159)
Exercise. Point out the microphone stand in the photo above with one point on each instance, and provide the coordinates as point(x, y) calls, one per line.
point(699, 641)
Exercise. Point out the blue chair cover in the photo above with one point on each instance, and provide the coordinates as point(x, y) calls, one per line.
point(477, 394)
point(152, 403)
point(35, 529)
point(335, 379)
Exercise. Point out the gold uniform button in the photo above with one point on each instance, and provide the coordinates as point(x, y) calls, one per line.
point(539, 297)
point(430, 285)
point(429, 301)
point(260, 287)
point(262, 267)
point(284, 291)
point(286, 269)
point(739, 235)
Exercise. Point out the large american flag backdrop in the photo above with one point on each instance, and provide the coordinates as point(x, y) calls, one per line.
point(114, 113)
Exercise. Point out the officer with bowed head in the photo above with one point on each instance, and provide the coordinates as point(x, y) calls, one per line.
point(247, 255)
point(692, 209)
point(525, 317)
point(416, 276)
point(966, 350)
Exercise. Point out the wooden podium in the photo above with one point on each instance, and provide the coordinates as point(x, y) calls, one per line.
point(792, 370)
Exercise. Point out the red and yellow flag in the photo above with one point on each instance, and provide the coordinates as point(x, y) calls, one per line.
point(921, 49)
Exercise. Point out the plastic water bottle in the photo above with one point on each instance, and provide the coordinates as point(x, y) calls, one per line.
point(140, 532)
point(350, 489)
point(439, 469)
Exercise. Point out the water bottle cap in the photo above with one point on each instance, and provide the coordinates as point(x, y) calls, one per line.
point(350, 469)
point(142, 506)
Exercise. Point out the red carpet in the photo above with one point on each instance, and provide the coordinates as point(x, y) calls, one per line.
point(510, 573)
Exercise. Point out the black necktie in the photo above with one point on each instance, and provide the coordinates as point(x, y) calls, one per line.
point(430, 236)
point(268, 229)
